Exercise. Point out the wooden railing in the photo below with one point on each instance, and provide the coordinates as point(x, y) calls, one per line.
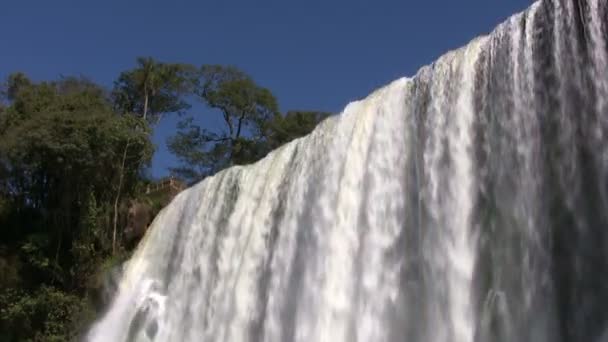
point(170, 184)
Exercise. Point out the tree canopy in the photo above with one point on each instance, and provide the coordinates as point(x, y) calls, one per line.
point(73, 157)
point(153, 88)
point(61, 149)
point(252, 124)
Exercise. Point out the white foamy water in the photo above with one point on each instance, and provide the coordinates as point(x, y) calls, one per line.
point(467, 203)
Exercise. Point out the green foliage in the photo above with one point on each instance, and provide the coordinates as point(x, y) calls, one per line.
point(34, 252)
point(62, 151)
point(245, 107)
point(71, 162)
point(59, 136)
point(47, 314)
point(204, 152)
point(153, 88)
point(9, 269)
point(14, 83)
point(293, 125)
point(90, 244)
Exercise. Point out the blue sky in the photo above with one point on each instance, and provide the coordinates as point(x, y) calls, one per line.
point(312, 54)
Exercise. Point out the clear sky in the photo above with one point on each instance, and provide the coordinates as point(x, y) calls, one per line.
point(312, 54)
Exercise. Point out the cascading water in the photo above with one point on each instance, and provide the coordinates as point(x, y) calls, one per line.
point(468, 203)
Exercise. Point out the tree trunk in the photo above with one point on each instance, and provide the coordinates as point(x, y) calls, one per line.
point(117, 199)
point(229, 124)
point(240, 124)
point(145, 103)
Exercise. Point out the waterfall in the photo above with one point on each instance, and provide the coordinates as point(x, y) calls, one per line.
point(467, 203)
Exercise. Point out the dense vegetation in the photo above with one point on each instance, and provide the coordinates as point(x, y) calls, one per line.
point(73, 155)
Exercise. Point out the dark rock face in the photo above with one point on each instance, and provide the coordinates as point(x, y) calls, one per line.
point(139, 217)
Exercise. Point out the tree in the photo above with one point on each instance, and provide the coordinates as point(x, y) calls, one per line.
point(14, 83)
point(135, 151)
point(292, 125)
point(252, 125)
point(71, 156)
point(66, 159)
point(64, 142)
point(153, 88)
point(245, 107)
